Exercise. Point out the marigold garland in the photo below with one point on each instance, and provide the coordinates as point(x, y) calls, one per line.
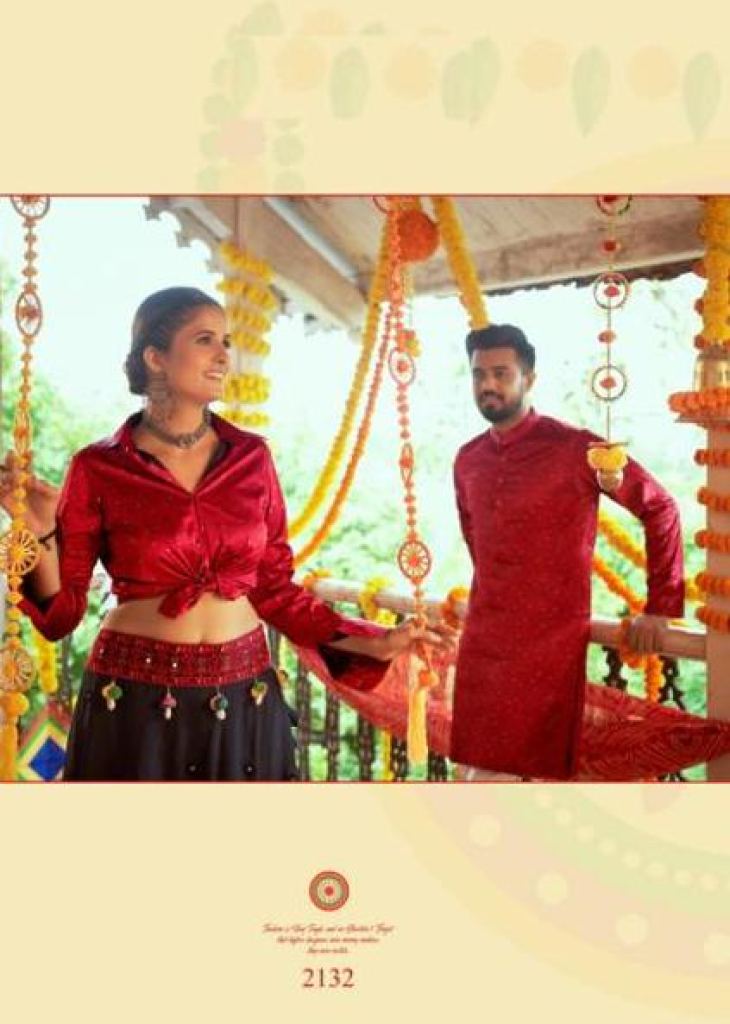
point(713, 457)
point(339, 444)
point(650, 663)
point(449, 614)
point(713, 540)
point(711, 400)
point(715, 267)
point(621, 541)
point(46, 661)
point(713, 500)
point(713, 618)
point(251, 306)
point(348, 477)
point(241, 418)
point(460, 261)
point(710, 583)
point(246, 388)
point(617, 585)
point(368, 605)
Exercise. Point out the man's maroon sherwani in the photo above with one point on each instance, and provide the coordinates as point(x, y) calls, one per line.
point(528, 501)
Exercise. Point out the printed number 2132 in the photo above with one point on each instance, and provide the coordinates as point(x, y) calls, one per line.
point(330, 977)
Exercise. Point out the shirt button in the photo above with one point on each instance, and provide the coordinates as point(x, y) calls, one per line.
point(192, 769)
point(248, 769)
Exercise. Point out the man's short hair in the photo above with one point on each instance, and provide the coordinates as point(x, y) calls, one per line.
point(502, 336)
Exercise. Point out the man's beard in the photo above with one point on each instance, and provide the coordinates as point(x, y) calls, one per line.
point(500, 411)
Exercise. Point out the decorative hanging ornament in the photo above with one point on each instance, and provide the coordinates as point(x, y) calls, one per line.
point(168, 704)
point(608, 382)
point(218, 704)
point(414, 557)
point(418, 233)
point(19, 548)
point(112, 694)
point(258, 692)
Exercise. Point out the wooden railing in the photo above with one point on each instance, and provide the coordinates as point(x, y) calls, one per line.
point(338, 744)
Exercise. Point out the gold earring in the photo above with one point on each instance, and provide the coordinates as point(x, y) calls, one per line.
point(158, 393)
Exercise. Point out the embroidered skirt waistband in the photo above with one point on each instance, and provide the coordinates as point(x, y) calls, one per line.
point(170, 664)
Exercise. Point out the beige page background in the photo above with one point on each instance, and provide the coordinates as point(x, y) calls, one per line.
point(507, 903)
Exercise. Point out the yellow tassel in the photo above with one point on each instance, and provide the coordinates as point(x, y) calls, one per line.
point(387, 773)
point(420, 679)
point(12, 705)
point(8, 752)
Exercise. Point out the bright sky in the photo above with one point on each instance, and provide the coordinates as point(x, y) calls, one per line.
point(100, 257)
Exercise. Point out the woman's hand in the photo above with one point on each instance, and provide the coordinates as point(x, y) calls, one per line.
point(410, 636)
point(41, 497)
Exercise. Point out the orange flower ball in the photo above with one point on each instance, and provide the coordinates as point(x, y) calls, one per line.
point(419, 236)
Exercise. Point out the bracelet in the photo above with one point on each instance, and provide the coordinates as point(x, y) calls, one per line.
point(44, 540)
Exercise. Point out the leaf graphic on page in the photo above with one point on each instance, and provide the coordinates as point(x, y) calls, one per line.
point(469, 80)
point(701, 89)
point(263, 20)
point(349, 83)
point(590, 87)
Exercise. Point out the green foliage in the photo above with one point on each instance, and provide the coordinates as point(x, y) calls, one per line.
point(58, 432)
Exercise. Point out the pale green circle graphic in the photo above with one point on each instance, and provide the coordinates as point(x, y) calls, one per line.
point(607, 883)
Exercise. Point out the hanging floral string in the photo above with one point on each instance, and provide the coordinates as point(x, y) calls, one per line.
point(708, 404)
point(608, 383)
point(414, 558)
point(339, 445)
point(333, 513)
point(250, 309)
point(46, 661)
point(620, 540)
point(19, 548)
point(460, 261)
point(651, 663)
point(367, 602)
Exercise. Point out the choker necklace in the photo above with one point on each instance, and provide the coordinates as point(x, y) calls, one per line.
point(179, 440)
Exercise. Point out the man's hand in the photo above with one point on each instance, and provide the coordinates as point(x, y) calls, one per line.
point(645, 634)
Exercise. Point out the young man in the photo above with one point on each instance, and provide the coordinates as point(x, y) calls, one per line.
point(527, 502)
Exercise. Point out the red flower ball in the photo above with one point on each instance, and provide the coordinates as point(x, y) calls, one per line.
point(418, 235)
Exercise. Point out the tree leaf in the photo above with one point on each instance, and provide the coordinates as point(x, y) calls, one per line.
point(701, 88)
point(217, 109)
point(455, 86)
point(349, 83)
point(263, 20)
point(590, 87)
point(484, 76)
point(468, 81)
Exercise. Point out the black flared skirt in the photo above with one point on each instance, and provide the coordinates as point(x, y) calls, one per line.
point(134, 740)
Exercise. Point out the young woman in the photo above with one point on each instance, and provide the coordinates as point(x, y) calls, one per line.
point(186, 513)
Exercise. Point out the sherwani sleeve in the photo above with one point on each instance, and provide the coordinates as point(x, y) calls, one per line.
point(657, 510)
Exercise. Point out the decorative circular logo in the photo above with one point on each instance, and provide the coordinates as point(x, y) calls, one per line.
point(329, 890)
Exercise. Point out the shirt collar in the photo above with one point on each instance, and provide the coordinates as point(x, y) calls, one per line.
point(505, 438)
point(122, 438)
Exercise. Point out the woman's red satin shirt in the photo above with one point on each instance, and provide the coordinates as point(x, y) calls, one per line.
point(155, 538)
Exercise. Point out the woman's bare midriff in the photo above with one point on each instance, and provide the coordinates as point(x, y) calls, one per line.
point(212, 620)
